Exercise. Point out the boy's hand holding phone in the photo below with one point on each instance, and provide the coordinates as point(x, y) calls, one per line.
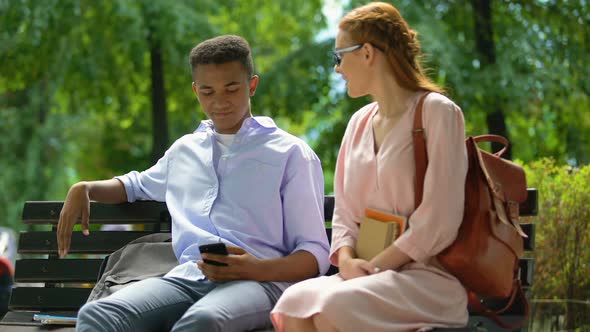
point(228, 263)
point(213, 248)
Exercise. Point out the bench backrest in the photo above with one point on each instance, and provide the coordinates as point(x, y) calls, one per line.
point(64, 284)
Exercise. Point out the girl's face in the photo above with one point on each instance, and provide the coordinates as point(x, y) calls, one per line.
point(353, 66)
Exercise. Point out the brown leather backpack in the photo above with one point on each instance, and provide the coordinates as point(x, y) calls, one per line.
point(485, 254)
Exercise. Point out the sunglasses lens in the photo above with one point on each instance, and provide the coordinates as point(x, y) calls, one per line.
point(336, 59)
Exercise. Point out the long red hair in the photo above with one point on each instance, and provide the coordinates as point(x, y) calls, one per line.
point(381, 25)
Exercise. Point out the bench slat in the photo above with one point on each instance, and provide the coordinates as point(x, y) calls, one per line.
point(527, 266)
point(140, 212)
point(145, 212)
point(44, 299)
point(481, 323)
point(328, 208)
point(57, 270)
point(529, 242)
point(22, 321)
point(38, 242)
point(530, 206)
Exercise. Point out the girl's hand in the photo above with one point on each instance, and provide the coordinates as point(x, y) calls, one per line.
point(355, 267)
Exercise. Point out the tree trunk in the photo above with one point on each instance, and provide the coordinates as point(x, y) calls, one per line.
point(159, 116)
point(484, 39)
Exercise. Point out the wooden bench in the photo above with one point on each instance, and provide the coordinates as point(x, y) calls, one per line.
point(44, 283)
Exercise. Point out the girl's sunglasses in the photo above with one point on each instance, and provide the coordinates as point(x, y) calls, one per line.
point(337, 54)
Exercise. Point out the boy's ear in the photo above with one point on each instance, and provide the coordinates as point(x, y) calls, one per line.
point(253, 85)
point(194, 85)
point(195, 91)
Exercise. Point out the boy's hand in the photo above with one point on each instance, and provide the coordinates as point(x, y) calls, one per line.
point(76, 206)
point(240, 266)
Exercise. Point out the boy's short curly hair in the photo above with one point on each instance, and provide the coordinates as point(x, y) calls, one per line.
point(223, 49)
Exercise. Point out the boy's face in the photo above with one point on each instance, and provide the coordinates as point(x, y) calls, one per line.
point(224, 91)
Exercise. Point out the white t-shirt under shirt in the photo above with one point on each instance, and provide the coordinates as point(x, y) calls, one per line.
point(223, 141)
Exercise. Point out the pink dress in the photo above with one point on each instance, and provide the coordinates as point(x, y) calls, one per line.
point(421, 295)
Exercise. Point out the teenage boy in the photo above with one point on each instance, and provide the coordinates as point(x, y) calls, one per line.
point(237, 179)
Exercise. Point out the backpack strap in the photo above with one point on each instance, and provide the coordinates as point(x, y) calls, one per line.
point(494, 138)
point(517, 292)
point(420, 155)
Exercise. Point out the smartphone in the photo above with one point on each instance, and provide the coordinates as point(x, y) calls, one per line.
point(214, 248)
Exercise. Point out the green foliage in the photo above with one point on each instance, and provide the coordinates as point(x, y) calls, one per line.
point(75, 80)
point(562, 258)
point(34, 160)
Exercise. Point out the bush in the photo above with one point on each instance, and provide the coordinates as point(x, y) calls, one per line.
point(561, 289)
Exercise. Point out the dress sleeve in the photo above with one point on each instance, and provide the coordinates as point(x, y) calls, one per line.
point(147, 185)
point(435, 223)
point(344, 227)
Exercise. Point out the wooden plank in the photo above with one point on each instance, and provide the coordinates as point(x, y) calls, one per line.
point(529, 230)
point(47, 212)
point(528, 242)
point(527, 266)
point(57, 270)
point(328, 207)
point(43, 299)
point(482, 323)
point(38, 242)
point(34, 328)
point(19, 318)
point(20, 321)
point(140, 212)
point(530, 206)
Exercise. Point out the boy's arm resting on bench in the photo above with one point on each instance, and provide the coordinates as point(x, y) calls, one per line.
point(77, 206)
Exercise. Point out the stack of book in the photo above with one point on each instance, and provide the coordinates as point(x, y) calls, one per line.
point(378, 230)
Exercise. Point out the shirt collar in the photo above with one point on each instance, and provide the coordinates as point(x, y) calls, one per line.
point(249, 123)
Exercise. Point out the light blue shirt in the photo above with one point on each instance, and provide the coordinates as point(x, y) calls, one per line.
point(265, 194)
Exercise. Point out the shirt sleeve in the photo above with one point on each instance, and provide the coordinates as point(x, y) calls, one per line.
point(147, 185)
point(435, 223)
point(302, 193)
